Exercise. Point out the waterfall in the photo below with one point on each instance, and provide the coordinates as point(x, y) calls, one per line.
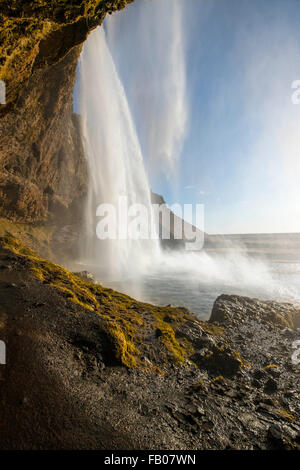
point(145, 45)
point(114, 160)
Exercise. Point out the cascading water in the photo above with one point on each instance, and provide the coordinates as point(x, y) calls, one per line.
point(115, 162)
point(155, 85)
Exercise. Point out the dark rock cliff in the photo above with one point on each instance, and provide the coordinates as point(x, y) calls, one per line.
point(42, 162)
point(42, 166)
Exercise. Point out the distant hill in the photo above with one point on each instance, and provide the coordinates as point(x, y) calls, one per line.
point(276, 246)
point(166, 231)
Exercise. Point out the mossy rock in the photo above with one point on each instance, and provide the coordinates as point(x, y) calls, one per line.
point(126, 322)
point(26, 25)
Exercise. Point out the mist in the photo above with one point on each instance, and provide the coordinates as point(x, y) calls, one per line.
point(148, 46)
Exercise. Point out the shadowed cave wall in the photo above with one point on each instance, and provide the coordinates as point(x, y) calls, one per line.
point(42, 165)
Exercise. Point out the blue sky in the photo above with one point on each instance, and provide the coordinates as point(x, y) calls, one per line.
point(235, 131)
point(239, 80)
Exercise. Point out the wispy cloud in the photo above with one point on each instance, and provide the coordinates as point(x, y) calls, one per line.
point(148, 43)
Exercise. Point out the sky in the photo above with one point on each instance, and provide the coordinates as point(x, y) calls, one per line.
point(209, 83)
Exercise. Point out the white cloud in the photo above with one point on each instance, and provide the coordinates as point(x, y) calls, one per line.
point(147, 39)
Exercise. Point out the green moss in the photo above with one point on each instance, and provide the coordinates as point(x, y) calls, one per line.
point(121, 325)
point(19, 37)
point(169, 340)
point(219, 379)
point(25, 23)
point(125, 350)
point(124, 319)
point(73, 287)
point(209, 355)
point(212, 329)
point(286, 414)
point(243, 362)
point(271, 366)
point(286, 319)
point(179, 349)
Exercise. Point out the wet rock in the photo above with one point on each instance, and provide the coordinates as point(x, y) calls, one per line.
point(270, 386)
point(259, 374)
point(275, 432)
point(195, 334)
point(274, 372)
point(218, 361)
point(158, 333)
point(234, 308)
point(256, 383)
point(207, 426)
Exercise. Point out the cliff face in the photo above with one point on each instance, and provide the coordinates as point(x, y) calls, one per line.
point(42, 166)
point(38, 33)
point(42, 161)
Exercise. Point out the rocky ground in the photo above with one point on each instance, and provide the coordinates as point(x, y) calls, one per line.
point(88, 368)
